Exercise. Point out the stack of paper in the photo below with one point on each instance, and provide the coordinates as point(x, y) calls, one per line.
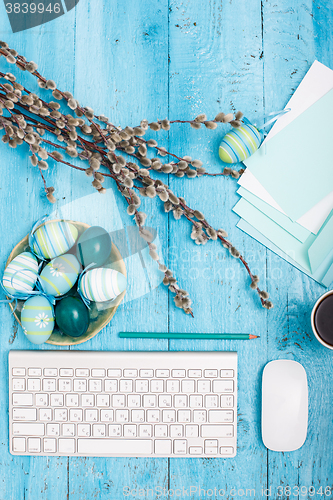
point(287, 189)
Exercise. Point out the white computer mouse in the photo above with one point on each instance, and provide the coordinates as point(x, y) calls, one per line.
point(284, 418)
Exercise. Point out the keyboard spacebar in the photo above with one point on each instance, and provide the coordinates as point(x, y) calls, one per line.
point(118, 447)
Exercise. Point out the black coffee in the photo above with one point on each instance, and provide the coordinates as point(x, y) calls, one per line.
point(323, 319)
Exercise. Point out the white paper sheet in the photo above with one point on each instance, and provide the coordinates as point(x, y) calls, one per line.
point(316, 83)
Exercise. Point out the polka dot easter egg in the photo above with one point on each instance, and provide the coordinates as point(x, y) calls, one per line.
point(37, 319)
point(102, 284)
point(20, 275)
point(53, 239)
point(60, 275)
point(240, 143)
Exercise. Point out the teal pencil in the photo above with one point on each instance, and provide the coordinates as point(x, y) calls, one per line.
point(205, 336)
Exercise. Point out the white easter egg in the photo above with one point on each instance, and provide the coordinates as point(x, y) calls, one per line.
point(37, 319)
point(60, 275)
point(102, 284)
point(54, 238)
point(20, 275)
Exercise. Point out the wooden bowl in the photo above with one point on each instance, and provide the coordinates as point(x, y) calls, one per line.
point(98, 318)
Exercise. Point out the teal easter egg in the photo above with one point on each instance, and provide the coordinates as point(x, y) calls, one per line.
point(60, 275)
point(20, 275)
point(72, 316)
point(37, 319)
point(53, 239)
point(102, 284)
point(93, 246)
point(240, 143)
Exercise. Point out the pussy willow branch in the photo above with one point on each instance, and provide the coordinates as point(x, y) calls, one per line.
point(100, 151)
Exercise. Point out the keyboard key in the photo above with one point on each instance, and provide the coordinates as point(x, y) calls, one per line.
point(56, 399)
point(220, 416)
point(179, 446)
point(18, 384)
point(45, 414)
point(161, 431)
point(66, 446)
point(210, 373)
point(82, 372)
point(188, 385)
point(19, 444)
point(149, 401)
point(146, 373)
point(172, 386)
point(156, 386)
point(95, 385)
point(168, 416)
point(68, 429)
point(50, 372)
point(111, 385)
point(114, 430)
point(131, 373)
point(98, 372)
point(87, 400)
point(134, 400)
point(194, 373)
point(34, 384)
point(199, 416)
point(203, 385)
point(192, 431)
point(42, 399)
point(24, 414)
point(60, 415)
point(35, 372)
point(91, 415)
point(227, 401)
point(138, 415)
point(226, 450)
point(178, 373)
point(114, 372)
point(129, 430)
point(211, 442)
point(76, 415)
point(102, 400)
point(163, 446)
point(180, 401)
point(22, 399)
point(117, 447)
point(80, 385)
point(195, 450)
point(184, 416)
point(226, 373)
point(52, 429)
point(118, 400)
point(65, 385)
point(217, 431)
point(162, 373)
point(17, 372)
point(23, 429)
point(141, 386)
point(153, 416)
point(210, 450)
point(49, 384)
point(211, 401)
point(106, 415)
point(66, 372)
point(125, 385)
point(121, 416)
point(50, 445)
point(176, 431)
point(145, 430)
point(72, 400)
point(164, 400)
point(83, 430)
point(221, 386)
point(34, 445)
point(196, 401)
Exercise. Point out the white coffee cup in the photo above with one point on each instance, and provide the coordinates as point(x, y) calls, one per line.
point(319, 301)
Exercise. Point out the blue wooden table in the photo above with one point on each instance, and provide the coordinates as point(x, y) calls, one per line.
point(171, 58)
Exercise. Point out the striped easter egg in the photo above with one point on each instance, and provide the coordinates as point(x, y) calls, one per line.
point(60, 275)
point(20, 275)
point(240, 143)
point(53, 239)
point(102, 284)
point(37, 319)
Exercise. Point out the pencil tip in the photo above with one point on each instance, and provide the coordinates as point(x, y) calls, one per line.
point(254, 337)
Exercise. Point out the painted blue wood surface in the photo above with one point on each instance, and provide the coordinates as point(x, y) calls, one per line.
point(132, 60)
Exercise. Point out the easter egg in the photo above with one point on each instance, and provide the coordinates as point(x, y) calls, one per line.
point(240, 143)
point(60, 275)
point(72, 316)
point(20, 275)
point(37, 319)
point(93, 246)
point(102, 284)
point(53, 239)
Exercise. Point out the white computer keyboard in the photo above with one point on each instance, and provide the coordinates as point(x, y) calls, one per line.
point(130, 404)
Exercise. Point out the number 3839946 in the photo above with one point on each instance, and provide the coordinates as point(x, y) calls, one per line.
point(32, 8)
